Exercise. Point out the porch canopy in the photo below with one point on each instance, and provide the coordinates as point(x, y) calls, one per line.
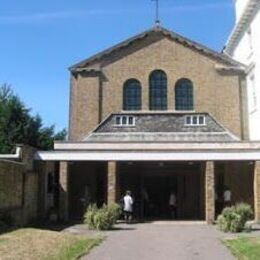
point(83, 151)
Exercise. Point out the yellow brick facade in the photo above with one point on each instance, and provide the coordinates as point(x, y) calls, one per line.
point(94, 97)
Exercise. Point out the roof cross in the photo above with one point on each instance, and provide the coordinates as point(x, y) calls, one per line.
point(157, 21)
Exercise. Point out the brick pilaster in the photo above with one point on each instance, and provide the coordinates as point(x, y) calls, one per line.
point(210, 192)
point(111, 182)
point(257, 191)
point(63, 200)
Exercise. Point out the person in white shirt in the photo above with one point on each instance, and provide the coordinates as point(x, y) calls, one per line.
point(227, 197)
point(173, 204)
point(128, 207)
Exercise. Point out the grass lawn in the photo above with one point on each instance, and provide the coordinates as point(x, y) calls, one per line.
point(245, 247)
point(29, 243)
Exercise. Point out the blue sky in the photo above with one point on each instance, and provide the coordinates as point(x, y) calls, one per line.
point(41, 39)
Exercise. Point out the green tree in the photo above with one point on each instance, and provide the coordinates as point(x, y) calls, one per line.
point(17, 125)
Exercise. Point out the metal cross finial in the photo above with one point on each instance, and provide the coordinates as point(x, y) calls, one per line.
point(157, 21)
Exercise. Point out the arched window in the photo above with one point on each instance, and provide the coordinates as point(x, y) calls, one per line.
point(184, 95)
point(158, 90)
point(132, 95)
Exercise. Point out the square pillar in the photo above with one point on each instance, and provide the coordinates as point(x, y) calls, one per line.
point(111, 182)
point(257, 191)
point(63, 196)
point(210, 192)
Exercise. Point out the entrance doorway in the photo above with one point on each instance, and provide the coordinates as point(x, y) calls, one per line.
point(151, 185)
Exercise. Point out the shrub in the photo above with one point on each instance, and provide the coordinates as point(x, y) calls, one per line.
point(222, 223)
point(114, 211)
point(103, 218)
point(245, 211)
point(236, 224)
point(89, 216)
point(233, 219)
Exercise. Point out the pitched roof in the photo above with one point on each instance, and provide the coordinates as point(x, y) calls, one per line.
point(158, 30)
point(160, 127)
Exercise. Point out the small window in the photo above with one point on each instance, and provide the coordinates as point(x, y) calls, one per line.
point(125, 121)
point(188, 120)
point(130, 120)
point(201, 120)
point(195, 120)
point(118, 120)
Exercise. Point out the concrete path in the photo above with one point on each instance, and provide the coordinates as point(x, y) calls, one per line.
point(162, 241)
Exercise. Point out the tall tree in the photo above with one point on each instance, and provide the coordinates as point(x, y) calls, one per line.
point(17, 125)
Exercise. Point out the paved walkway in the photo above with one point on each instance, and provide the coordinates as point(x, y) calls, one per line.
point(162, 241)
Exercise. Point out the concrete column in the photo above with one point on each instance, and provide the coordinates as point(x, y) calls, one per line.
point(257, 191)
point(63, 197)
point(111, 182)
point(210, 192)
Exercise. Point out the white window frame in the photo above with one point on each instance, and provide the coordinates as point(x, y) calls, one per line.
point(197, 120)
point(127, 124)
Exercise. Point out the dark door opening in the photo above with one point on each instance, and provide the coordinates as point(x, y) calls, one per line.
point(156, 201)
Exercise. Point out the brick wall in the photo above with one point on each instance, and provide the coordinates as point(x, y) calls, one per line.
point(19, 189)
point(11, 184)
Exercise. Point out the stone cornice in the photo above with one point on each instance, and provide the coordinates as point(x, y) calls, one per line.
point(250, 10)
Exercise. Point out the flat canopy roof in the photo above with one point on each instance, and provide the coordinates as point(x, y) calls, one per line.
point(73, 151)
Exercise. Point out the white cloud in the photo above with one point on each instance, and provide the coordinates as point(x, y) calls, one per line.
point(43, 17)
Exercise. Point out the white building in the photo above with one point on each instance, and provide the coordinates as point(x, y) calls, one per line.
point(244, 46)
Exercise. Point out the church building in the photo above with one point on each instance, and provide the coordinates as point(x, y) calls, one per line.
point(156, 113)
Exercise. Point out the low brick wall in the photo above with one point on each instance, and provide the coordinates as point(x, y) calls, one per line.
point(18, 191)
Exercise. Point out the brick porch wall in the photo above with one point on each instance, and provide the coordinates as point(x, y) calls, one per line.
point(19, 188)
point(257, 191)
point(112, 182)
point(210, 192)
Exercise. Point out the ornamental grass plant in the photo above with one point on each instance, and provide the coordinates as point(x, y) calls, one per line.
point(103, 218)
point(233, 219)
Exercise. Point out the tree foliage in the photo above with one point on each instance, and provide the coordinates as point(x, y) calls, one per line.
point(18, 126)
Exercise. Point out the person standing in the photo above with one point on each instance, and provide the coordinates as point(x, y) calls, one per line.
point(227, 197)
point(173, 205)
point(128, 207)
